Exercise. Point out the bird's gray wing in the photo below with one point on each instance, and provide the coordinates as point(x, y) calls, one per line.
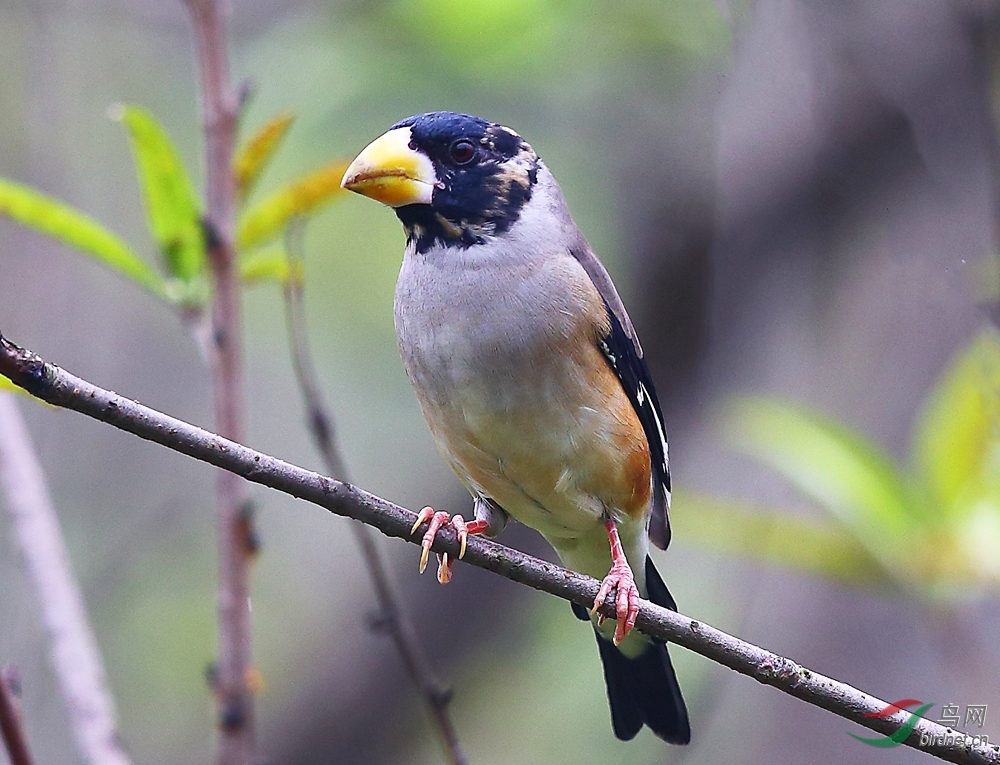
point(602, 280)
point(624, 354)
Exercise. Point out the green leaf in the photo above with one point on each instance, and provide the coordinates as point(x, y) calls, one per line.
point(301, 198)
point(958, 434)
point(72, 227)
point(7, 385)
point(270, 265)
point(173, 212)
point(254, 156)
point(809, 545)
point(842, 471)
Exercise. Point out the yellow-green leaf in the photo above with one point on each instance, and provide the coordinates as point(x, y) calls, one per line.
point(173, 212)
point(72, 227)
point(7, 385)
point(301, 198)
point(271, 265)
point(253, 157)
point(790, 540)
point(958, 434)
point(842, 471)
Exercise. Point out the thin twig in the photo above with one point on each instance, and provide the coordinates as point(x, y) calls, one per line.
point(76, 658)
point(56, 386)
point(393, 615)
point(11, 727)
point(220, 111)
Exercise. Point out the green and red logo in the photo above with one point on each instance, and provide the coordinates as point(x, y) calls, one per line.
point(897, 738)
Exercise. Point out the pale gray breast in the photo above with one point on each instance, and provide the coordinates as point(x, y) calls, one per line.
point(479, 325)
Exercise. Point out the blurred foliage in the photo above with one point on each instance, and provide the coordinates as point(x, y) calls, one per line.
point(174, 212)
point(491, 42)
point(72, 227)
point(933, 525)
point(780, 538)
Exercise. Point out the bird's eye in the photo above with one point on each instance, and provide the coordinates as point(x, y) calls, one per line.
point(462, 151)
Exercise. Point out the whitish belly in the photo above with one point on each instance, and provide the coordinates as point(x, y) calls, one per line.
point(518, 396)
point(537, 436)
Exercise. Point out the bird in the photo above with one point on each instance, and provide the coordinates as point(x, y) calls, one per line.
point(532, 380)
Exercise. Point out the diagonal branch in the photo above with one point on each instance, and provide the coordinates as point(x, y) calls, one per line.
point(393, 615)
point(76, 658)
point(56, 386)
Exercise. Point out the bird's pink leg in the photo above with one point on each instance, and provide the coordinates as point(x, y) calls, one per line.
point(620, 578)
point(437, 520)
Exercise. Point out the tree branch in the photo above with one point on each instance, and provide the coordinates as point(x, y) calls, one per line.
point(56, 386)
point(394, 616)
point(220, 111)
point(76, 658)
point(11, 729)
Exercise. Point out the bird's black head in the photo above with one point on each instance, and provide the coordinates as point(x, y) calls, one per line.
point(481, 174)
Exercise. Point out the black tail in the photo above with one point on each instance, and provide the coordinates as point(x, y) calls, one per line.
point(644, 690)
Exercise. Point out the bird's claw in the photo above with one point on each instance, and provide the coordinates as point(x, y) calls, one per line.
point(462, 529)
point(620, 579)
point(444, 568)
point(437, 520)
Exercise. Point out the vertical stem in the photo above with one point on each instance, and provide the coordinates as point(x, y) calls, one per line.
point(76, 659)
point(404, 634)
point(394, 617)
point(219, 114)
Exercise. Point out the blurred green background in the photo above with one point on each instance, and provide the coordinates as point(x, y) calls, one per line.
point(798, 203)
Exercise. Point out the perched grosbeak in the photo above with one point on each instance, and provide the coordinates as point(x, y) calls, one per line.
point(531, 378)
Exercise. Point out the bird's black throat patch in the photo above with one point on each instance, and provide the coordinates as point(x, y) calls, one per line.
point(474, 199)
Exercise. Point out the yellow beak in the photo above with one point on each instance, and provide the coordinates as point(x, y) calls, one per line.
point(392, 173)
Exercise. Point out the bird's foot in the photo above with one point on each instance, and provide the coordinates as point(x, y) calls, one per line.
point(620, 579)
point(463, 528)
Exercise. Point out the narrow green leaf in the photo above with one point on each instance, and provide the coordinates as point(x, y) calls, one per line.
point(813, 546)
point(958, 434)
point(270, 265)
point(173, 212)
point(253, 158)
point(302, 198)
point(72, 227)
point(842, 471)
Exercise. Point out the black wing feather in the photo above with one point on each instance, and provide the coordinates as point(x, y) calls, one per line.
point(630, 368)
